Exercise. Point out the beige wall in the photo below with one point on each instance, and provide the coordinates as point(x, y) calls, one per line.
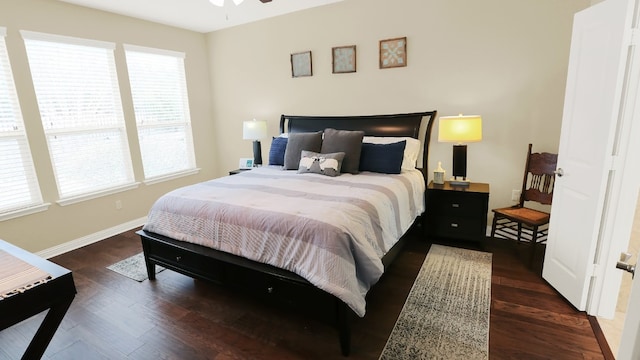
point(503, 59)
point(62, 224)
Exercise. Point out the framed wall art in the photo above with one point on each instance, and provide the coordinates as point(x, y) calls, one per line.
point(301, 64)
point(393, 53)
point(343, 59)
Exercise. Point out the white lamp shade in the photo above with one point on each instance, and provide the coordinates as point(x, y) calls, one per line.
point(254, 129)
point(460, 129)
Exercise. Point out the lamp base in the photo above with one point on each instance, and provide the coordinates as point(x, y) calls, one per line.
point(459, 182)
point(257, 153)
point(459, 162)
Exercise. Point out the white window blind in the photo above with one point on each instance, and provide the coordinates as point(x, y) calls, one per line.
point(161, 105)
point(79, 99)
point(19, 189)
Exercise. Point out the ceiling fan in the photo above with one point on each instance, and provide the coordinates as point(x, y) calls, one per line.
point(237, 2)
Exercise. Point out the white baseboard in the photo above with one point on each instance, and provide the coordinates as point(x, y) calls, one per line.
point(90, 239)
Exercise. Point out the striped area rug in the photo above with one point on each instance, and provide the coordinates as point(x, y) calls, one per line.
point(446, 315)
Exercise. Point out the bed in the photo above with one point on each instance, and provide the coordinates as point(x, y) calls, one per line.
point(284, 234)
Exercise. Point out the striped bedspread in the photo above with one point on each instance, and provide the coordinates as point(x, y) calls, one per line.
point(331, 231)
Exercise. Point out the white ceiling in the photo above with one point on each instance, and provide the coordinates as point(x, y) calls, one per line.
point(200, 15)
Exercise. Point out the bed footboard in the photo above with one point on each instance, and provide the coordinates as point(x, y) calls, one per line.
point(230, 270)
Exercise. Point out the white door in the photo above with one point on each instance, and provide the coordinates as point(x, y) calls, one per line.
point(586, 160)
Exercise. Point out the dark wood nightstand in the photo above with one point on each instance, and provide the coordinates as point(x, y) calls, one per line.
point(457, 212)
point(237, 171)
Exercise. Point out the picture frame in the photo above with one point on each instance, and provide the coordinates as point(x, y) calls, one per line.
point(246, 163)
point(393, 53)
point(343, 59)
point(301, 64)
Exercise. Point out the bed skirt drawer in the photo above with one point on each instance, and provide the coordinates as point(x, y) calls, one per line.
point(268, 284)
point(273, 288)
point(186, 262)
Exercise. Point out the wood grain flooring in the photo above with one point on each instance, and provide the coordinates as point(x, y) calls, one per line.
point(176, 317)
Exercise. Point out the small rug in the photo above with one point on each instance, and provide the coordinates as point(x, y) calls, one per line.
point(446, 314)
point(133, 267)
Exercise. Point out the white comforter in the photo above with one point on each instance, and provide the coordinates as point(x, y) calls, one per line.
point(331, 231)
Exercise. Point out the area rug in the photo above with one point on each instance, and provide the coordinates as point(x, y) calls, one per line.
point(133, 267)
point(446, 314)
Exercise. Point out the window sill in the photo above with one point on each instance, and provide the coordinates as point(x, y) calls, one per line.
point(162, 178)
point(26, 211)
point(94, 195)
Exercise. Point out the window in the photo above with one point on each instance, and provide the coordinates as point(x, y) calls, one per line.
point(79, 99)
point(19, 189)
point(160, 102)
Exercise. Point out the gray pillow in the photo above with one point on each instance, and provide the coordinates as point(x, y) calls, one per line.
point(348, 142)
point(298, 142)
point(324, 164)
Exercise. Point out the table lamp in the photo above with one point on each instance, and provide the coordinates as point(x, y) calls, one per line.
point(255, 130)
point(460, 130)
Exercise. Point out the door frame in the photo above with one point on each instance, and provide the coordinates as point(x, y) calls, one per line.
point(630, 341)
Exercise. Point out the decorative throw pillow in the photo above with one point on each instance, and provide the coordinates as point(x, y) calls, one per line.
point(276, 152)
point(325, 164)
point(348, 142)
point(382, 158)
point(298, 142)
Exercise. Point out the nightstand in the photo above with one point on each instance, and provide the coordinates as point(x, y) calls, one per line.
point(457, 212)
point(237, 171)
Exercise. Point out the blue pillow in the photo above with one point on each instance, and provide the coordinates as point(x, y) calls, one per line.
point(276, 153)
point(382, 158)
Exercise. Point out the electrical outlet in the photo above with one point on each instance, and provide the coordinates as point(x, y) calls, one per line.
point(118, 204)
point(515, 195)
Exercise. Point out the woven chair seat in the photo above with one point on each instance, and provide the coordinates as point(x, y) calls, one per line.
point(525, 215)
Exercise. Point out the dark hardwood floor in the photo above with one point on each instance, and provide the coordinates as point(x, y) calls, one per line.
point(175, 317)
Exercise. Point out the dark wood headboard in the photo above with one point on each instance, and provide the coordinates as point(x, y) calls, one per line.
point(372, 125)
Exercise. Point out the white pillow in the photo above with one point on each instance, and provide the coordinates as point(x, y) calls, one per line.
point(411, 150)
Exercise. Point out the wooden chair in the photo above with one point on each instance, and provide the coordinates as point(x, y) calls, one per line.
point(522, 223)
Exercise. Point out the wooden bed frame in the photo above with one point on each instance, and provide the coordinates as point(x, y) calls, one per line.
point(212, 265)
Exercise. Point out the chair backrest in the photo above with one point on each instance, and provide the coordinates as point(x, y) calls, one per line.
point(539, 177)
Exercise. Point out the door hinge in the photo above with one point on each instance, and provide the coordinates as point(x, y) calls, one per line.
point(614, 163)
point(595, 270)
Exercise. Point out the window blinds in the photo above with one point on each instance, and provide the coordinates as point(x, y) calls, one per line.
point(19, 189)
point(79, 99)
point(161, 106)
